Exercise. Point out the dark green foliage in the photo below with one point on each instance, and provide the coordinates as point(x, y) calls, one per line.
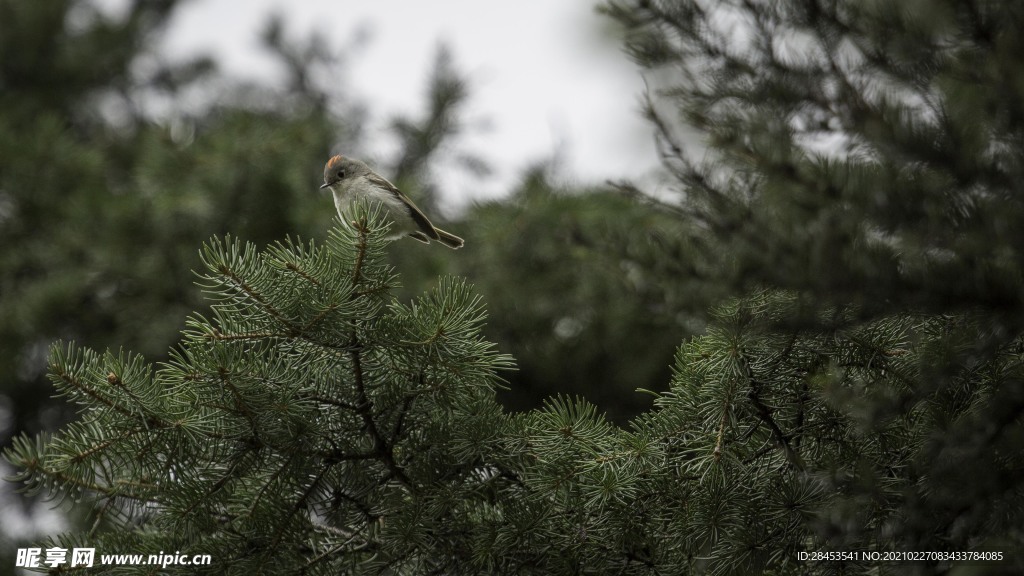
point(857, 152)
point(48, 65)
point(580, 290)
point(864, 156)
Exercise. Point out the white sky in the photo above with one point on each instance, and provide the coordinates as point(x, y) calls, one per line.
point(540, 76)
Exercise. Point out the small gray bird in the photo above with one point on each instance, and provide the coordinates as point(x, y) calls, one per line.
point(351, 181)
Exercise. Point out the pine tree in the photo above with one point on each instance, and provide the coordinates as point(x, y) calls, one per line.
point(864, 158)
point(857, 152)
point(313, 424)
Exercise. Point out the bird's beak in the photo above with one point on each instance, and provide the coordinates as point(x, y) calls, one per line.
point(325, 185)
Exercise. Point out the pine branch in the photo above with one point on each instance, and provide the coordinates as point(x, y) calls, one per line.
point(150, 420)
point(301, 502)
point(254, 295)
point(765, 413)
point(381, 447)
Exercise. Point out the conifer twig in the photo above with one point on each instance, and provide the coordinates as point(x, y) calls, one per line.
point(380, 445)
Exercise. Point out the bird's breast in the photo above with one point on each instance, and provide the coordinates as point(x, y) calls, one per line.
point(362, 190)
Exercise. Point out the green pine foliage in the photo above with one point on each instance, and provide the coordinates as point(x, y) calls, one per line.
point(312, 423)
point(316, 425)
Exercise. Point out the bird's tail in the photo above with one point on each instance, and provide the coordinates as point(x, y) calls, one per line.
point(448, 239)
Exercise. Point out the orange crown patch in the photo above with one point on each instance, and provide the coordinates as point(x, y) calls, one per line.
point(334, 161)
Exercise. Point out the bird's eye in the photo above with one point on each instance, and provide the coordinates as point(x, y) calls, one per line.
point(341, 173)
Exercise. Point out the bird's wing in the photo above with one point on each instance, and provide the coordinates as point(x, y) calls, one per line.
point(417, 216)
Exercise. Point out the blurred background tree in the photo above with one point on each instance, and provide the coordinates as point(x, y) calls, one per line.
point(580, 283)
point(103, 206)
point(859, 153)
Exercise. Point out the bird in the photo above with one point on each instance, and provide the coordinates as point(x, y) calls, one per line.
point(351, 180)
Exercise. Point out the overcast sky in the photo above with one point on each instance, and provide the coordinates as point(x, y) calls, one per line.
point(540, 76)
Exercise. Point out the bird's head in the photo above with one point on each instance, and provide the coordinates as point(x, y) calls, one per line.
point(340, 168)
